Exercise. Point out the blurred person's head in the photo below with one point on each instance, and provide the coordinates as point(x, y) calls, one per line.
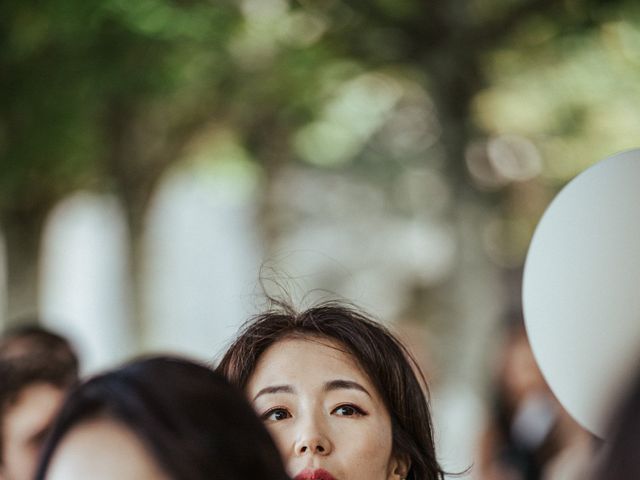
point(521, 414)
point(519, 375)
point(620, 459)
point(158, 418)
point(340, 394)
point(36, 369)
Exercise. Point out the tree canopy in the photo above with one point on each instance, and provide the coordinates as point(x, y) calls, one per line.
point(505, 99)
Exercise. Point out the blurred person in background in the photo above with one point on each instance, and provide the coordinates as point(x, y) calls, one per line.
point(529, 436)
point(619, 458)
point(458, 412)
point(341, 395)
point(37, 367)
point(158, 418)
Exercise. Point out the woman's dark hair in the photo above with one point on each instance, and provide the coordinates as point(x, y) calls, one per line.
point(193, 423)
point(382, 357)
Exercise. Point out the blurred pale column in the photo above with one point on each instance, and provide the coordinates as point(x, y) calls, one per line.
point(202, 260)
point(85, 282)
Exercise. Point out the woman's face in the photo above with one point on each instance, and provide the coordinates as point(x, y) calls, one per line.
point(102, 449)
point(326, 416)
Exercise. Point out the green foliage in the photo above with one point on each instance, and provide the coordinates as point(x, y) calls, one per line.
point(107, 94)
point(63, 62)
point(576, 96)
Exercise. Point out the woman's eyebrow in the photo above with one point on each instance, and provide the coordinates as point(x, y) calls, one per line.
point(275, 389)
point(344, 384)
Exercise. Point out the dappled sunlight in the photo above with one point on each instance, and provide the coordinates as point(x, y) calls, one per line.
point(358, 108)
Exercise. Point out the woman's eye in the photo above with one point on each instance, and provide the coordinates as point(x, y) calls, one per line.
point(276, 414)
point(348, 410)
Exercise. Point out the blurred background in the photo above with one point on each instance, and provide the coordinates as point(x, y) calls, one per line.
point(162, 161)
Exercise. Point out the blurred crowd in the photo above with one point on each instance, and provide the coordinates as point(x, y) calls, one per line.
point(155, 418)
point(184, 420)
point(529, 435)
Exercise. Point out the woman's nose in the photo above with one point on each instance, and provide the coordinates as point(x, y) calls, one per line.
point(317, 445)
point(313, 441)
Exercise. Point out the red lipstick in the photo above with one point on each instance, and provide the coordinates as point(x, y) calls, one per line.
point(311, 474)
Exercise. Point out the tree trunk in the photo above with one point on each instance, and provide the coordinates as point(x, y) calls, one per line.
point(120, 164)
point(22, 233)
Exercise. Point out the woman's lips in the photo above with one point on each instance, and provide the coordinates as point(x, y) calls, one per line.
point(311, 474)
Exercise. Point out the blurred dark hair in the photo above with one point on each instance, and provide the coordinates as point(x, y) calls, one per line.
point(382, 357)
point(194, 424)
point(34, 351)
point(29, 355)
point(620, 460)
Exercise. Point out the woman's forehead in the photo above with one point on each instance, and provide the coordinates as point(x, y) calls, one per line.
point(300, 357)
